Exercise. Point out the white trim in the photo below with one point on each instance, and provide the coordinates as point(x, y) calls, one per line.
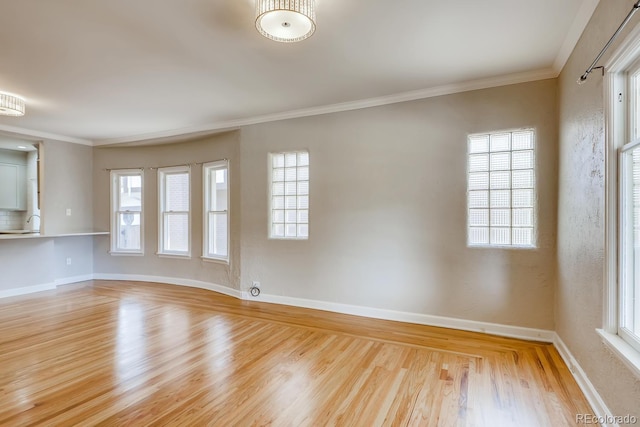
point(225, 290)
point(627, 354)
point(207, 169)
point(30, 133)
point(114, 176)
point(593, 397)
point(575, 31)
point(530, 334)
point(610, 297)
point(73, 279)
point(626, 54)
point(177, 135)
point(449, 89)
point(161, 178)
point(27, 290)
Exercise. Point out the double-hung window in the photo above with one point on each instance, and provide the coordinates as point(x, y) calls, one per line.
point(501, 189)
point(126, 212)
point(621, 328)
point(174, 219)
point(289, 202)
point(629, 179)
point(216, 210)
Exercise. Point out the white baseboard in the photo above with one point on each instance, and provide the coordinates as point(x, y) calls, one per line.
point(418, 318)
point(27, 290)
point(171, 281)
point(73, 279)
point(595, 400)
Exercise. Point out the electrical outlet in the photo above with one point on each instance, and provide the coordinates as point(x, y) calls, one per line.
point(255, 284)
point(68, 211)
point(68, 261)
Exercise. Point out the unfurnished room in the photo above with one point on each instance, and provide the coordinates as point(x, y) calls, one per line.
point(320, 212)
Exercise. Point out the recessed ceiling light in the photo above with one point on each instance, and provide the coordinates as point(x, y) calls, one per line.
point(11, 105)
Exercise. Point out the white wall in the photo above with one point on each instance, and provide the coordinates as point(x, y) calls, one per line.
point(388, 209)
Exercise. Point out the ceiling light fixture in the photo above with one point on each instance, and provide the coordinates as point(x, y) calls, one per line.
point(11, 105)
point(286, 20)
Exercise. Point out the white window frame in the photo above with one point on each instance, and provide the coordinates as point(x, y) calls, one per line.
point(114, 177)
point(271, 224)
point(617, 135)
point(162, 174)
point(207, 170)
point(511, 208)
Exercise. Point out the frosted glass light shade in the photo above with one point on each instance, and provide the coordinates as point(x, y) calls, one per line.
point(286, 20)
point(11, 105)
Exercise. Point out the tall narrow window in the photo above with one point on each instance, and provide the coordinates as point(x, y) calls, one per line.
point(629, 294)
point(216, 210)
point(174, 216)
point(501, 189)
point(126, 212)
point(289, 204)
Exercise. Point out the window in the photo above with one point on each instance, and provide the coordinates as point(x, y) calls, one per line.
point(216, 210)
point(501, 189)
point(126, 212)
point(629, 178)
point(621, 326)
point(289, 205)
point(174, 216)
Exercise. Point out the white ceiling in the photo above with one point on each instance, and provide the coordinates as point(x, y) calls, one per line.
point(120, 70)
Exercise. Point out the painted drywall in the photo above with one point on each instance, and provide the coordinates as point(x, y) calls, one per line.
point(66, 185)
point(388, 209)
point(580, 289)
point(25, 263)
point(224, 146)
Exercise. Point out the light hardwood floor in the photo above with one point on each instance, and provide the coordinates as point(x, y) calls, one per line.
point(137, 354)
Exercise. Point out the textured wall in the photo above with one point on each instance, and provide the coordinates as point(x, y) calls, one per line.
point(388, 209)
point(580, 290)
point(209, 149)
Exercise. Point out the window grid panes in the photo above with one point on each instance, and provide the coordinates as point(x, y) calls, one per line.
point(126, 193)
point(629, 292)
point(174, 201)
point(501, 189)
point(216, 203)
point(289, 195)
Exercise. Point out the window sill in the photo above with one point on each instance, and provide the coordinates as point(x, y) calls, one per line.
point(114, 253)
point(178, 256)
point(509, 247)
point(627, 354)
point(215, 260)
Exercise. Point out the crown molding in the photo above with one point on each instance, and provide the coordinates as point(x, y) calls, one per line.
point(38, 135)
point(575, 32)
point(180, 134)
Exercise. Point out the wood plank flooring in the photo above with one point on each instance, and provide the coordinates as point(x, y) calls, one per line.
point(136, 354)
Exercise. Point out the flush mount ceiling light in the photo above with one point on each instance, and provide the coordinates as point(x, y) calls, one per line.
point(11, 105)
point(286, 20)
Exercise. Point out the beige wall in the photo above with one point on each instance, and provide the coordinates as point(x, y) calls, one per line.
point(580, 289)
point(225, 146)
point(388, 209)
point(66, 184)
